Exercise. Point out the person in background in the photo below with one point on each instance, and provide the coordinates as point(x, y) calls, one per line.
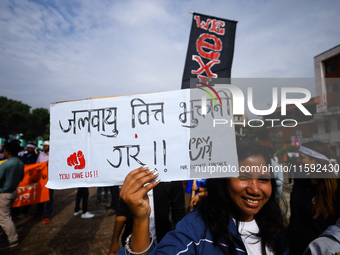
point(11, 174)
point(21, 152)
point(44, 156)
point(30, 157)
point(198, 188)
point(276, 167)
point(291, 164)
point(114, 190)
point(99, 195)
point(198, 196)
point(2, 152)
point(82, 195)
point(314, 201)
point(327, 243)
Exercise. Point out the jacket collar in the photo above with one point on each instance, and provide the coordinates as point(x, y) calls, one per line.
point(235, 234)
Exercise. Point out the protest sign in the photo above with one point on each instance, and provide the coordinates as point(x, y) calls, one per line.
point(210, 50)
point(98, 141)
point(31, 189)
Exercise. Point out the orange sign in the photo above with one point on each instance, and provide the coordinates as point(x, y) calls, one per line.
point(31, 189)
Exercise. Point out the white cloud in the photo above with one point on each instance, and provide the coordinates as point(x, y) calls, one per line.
point(72, 50)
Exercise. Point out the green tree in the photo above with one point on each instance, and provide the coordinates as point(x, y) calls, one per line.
point(276, 144)
point(285, 150)
point(38, 121)
point(14, 117)
point(46, 135)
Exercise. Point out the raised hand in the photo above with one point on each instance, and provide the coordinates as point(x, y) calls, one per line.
point(134, 192)
point(135, 188)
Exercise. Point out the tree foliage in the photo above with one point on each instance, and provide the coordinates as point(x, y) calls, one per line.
point(39, 119)
point(16, 118)
point(285, 150)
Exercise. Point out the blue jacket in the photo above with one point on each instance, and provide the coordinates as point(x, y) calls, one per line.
point(189, 238)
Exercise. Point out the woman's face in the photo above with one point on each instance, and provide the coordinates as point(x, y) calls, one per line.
point(252, 189)
point(305, 159)
point(308, 162)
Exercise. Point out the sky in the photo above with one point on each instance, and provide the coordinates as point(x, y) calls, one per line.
point(53, 51)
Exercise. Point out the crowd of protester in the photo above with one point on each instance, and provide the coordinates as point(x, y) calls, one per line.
point(244, 215)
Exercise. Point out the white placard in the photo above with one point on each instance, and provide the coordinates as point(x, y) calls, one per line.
point(97, 142)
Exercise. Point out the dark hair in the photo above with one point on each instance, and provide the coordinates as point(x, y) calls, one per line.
point(326, 188)
point(13, 147)
point(269, 150)
point(270, 219)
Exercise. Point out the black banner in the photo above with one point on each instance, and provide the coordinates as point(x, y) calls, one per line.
point(211, 49)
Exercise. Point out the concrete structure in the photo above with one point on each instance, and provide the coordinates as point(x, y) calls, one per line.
point(240, 122)
point(324, 124)
point(327, 82)
point(307, 128)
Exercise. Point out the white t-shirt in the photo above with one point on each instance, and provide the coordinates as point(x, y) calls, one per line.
point(43, 157)
point(251, 242)
point(152, 225)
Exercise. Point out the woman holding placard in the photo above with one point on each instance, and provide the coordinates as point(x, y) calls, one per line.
point(238, 216)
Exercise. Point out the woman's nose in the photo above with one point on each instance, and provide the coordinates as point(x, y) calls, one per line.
point(253, 188)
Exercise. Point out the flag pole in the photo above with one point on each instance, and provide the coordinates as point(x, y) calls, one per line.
point(193, 12)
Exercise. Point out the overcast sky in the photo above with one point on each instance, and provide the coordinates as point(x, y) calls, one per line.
point(65, 50)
